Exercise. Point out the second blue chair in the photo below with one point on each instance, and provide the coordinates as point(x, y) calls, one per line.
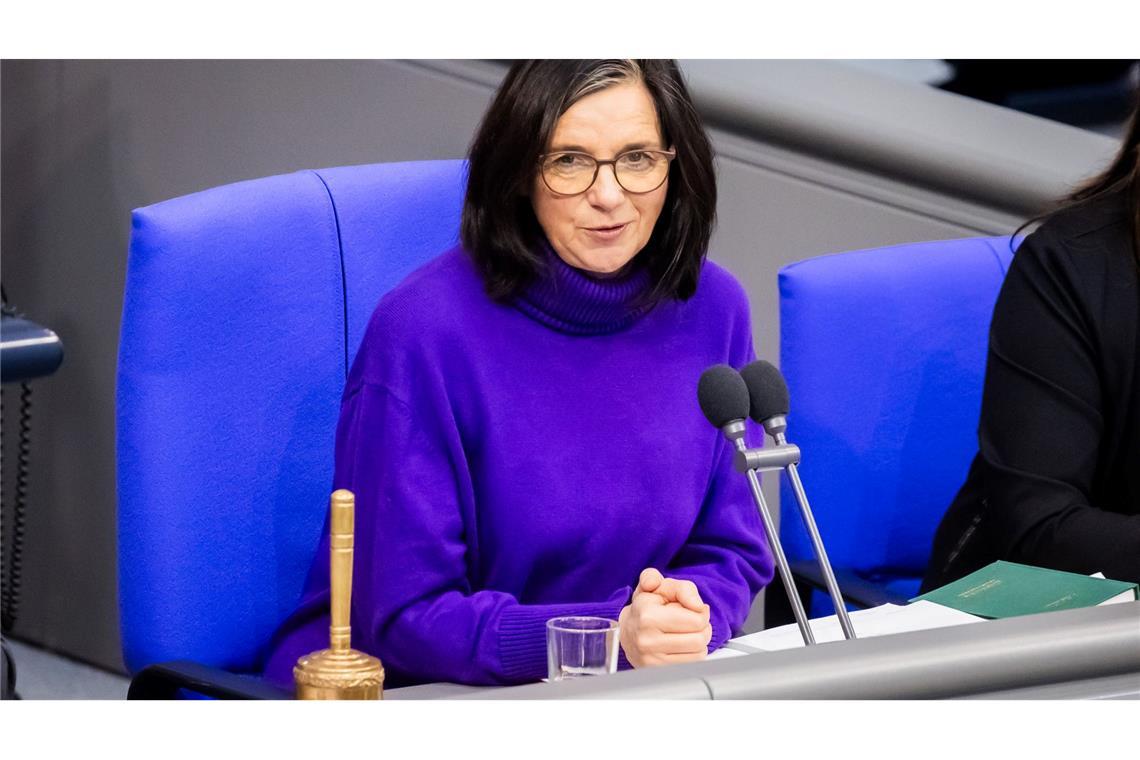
point(884, 354)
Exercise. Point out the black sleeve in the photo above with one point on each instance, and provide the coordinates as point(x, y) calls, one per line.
point(1041, 425)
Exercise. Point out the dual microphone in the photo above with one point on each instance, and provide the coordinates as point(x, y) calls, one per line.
point(758, 391)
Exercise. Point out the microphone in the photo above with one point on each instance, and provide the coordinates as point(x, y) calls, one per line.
point(768, 404)
point(724, 399)
point(768, 400)
point(723, 396)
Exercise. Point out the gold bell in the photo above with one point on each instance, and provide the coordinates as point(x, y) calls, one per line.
point(340, 672)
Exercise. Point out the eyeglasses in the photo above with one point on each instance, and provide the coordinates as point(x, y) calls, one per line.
point(637, 171)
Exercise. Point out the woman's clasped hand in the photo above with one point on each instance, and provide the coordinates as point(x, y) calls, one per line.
point(665, 622)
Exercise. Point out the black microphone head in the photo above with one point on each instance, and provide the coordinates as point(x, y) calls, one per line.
point(767, 391)
point(723, 395)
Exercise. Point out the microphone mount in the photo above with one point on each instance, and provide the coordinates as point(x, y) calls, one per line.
point(764, 460)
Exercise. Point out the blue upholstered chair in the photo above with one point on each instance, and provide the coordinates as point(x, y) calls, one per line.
point(884, 353)
point(244, 307)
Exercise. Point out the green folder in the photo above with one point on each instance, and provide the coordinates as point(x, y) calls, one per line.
point(1007, 589)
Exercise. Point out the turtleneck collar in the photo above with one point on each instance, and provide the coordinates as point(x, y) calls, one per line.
point(573, 301)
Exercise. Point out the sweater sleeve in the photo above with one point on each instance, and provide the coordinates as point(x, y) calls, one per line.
point(414, 604)
point(1041, 427)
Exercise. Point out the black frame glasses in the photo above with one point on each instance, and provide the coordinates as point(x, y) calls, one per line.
point(668, 155)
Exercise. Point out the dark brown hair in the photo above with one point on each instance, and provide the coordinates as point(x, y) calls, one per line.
point(1122, 176)
point(499, 227)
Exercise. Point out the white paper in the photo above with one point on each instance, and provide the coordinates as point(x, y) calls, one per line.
point(725, 652)
point(876, 621)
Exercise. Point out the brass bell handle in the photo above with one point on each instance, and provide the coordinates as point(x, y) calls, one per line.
point(342, 520)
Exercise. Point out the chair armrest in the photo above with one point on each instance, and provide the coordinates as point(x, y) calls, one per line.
point(855, 589)
point(164, 680)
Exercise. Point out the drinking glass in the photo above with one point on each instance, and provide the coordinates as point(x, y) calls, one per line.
point(581, 646)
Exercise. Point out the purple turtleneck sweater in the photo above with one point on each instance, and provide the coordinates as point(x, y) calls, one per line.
point(514, 462)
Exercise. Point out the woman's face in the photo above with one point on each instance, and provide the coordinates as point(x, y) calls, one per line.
point(602, 229)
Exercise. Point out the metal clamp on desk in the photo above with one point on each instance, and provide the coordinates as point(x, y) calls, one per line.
point(27, 350)
point(765, 460)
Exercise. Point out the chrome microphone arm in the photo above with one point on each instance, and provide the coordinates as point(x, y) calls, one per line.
point(817, 544)
point(785, 456)
point(735, 432)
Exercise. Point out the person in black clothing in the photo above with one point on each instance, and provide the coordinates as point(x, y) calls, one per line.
point(1056, 481)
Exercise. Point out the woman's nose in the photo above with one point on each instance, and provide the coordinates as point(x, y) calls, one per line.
point(606, 192)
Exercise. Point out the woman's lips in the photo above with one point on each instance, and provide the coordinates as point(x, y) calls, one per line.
point(607, 234)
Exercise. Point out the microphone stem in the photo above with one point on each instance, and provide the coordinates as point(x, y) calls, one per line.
point(817, 544)
point(778, 553)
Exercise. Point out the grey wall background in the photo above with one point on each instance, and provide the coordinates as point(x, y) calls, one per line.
point(813, 158)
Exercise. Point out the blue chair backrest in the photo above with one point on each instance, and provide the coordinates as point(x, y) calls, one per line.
point(884, 353)
point(244, 306)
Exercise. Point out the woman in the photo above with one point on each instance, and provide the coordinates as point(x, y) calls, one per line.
point(520, 425)
point(1056, 482)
